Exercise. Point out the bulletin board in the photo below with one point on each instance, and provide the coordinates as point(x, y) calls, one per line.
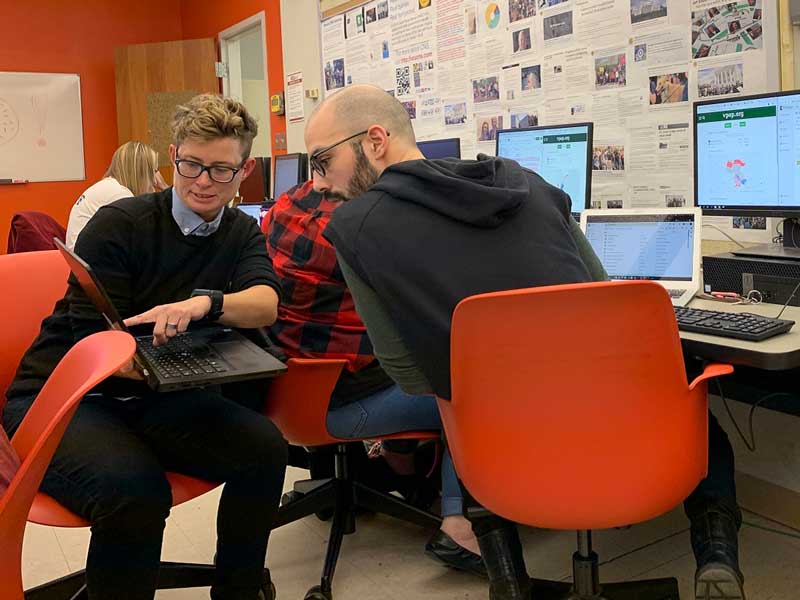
point(41, 128)
point(633, 67)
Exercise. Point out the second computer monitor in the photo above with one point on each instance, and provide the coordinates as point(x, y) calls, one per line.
point(561, 154)
point(290, 170)
point(447, 148)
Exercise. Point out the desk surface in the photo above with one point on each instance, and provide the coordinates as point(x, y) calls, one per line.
point(778, 353)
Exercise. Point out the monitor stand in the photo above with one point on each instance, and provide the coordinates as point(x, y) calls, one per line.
point(789, 250)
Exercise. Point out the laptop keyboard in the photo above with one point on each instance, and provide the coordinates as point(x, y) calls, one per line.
point(181, 357)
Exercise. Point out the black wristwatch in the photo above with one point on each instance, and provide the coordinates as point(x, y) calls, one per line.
point(216, 302)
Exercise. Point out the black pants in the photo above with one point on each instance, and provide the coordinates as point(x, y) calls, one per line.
point(109, 468)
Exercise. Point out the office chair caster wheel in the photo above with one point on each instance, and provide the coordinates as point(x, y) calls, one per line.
point(316, 593)
point(267, 592)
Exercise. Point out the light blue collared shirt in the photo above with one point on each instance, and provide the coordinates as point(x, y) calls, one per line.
point(189, 222)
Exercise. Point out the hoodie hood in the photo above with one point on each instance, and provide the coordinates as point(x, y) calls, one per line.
point(482, 193)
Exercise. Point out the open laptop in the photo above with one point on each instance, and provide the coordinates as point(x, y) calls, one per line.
point(254, 209)
point(661, 245)
point(203, 355)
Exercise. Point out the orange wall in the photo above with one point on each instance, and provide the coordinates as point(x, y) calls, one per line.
point(77, 37)
point(206, 18)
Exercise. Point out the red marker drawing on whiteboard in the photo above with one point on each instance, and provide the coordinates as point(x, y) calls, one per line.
point(39, 103)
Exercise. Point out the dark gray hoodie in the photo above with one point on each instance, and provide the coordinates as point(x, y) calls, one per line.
point(430, 233)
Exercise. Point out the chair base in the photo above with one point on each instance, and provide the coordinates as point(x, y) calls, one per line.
point(343, 497)
point(651, 589)
point(170, 576)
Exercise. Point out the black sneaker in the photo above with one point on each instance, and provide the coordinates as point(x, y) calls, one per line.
point(714, 537)
point(718, 581)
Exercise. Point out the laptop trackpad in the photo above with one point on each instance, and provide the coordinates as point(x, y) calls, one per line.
point(244, 356)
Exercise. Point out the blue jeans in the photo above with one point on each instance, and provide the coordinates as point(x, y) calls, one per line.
point(392, 411)
point(109, 469)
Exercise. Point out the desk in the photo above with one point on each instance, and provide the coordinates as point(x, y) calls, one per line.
point(779, 353)
point(749, 383)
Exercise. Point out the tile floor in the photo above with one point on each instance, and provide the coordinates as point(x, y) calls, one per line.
point(384, 559)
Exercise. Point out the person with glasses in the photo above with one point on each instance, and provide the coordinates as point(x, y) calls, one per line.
point(317, 319)
point(416, 236)
point(167, 259)
point(133, 171)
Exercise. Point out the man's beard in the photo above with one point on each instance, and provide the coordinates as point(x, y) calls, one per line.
point(364, 176)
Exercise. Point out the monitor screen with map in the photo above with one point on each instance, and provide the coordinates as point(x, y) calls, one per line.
point(747, 155)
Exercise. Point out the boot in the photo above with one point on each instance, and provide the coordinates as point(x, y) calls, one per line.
point(714, 537)
point(502, 555)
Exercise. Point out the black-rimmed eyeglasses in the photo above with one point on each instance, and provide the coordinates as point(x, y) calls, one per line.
point(317, 165)
point(192, 170)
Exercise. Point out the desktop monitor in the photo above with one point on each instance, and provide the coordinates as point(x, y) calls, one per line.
point(561, 154)
point(746, 155)
point(256, 187)
point(447, 148)
point(290, 170)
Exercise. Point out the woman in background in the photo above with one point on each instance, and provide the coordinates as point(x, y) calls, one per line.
point(133, 171)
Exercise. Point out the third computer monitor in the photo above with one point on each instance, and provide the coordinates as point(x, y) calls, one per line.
point(290, 170)
point(560, 154)
point(447, 148)
point(747, 155)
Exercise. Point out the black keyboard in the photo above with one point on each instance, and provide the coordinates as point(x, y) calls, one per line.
point(181, 357)
point(743, 326)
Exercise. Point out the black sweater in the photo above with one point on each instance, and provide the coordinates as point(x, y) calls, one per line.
point(430, 233)
point(142, 259)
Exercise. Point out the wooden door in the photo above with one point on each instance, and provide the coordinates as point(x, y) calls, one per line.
point(152, 79)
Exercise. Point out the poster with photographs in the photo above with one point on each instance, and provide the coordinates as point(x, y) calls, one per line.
point(485, 89)
point(609, 158)
point(634, 68)
point(647, 11)
point(521, 9)
point(727, 28)
point(669, 88)
point(523, 119)
point(486, 127)
point(531, 79)
point(557, 27)
point(723, 80)
point(610, 70)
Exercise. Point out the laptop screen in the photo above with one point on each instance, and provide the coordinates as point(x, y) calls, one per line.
point(254, 210)
point(644, 246)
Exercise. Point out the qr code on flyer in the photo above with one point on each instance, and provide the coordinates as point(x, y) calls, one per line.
point(403, 81)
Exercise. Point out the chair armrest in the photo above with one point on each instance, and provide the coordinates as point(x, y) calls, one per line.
point(711, 370)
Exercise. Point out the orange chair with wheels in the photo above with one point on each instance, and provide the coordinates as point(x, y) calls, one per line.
point(297, 402)
point(578, 395)
point(88, 363)
point(36, 281)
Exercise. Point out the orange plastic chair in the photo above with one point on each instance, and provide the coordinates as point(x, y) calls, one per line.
point(297, 402)
point(33, 282)
point(88, 363)
point(578, 395)
point(38, 280)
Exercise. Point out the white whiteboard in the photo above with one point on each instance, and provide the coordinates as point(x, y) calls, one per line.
point(41, 127)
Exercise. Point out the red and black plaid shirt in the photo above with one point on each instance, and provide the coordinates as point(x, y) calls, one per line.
point(317, 317)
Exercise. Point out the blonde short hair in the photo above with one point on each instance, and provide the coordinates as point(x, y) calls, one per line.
point(210, 116)
point(134, 165)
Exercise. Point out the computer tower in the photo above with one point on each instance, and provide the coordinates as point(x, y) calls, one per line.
point(775, 278)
